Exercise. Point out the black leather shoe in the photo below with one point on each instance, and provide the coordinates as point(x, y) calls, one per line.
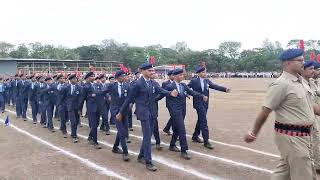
point(185, 155)
point(125, 157)
point(197, 140)
point(97, 146)
point(130, 129)
point(128, 140)
point(117, 150)
point(158, 147)
point(107, 132)
point(208, 146)
point(318, 171)
point(65, 135)
point(174, 149)
point(167, 132)
point(151, 167)
point(141, 160)
point(75, 140)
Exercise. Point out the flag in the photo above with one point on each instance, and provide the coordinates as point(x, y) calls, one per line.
point(7, 121)
point(301, 44)
point(318, 57)
point(152, 60)
point(123, 68)
point(312, 55)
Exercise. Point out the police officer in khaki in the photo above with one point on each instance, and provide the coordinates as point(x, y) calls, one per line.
point(295, 111)
point(312, 71)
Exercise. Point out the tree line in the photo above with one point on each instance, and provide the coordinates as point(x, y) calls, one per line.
point(228, 57)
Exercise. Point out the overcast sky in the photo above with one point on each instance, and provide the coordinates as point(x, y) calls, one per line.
point(203, 24)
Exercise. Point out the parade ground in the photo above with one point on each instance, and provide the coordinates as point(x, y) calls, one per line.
point(28, 151)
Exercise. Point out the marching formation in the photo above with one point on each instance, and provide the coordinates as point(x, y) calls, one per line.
point(64, 97)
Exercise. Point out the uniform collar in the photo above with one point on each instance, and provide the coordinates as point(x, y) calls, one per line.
point(291, 76)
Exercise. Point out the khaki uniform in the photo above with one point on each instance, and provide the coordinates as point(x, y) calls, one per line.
point(316, 126)
point(292, 102)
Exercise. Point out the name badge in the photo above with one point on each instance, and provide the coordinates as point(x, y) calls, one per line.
point(77, 92)
point(153, 90)
point(125, 93)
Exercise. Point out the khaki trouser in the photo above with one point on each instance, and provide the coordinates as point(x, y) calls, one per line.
point(316, 143)
point(296, 162)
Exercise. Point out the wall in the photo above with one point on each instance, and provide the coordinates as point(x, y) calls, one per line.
point(8, 68)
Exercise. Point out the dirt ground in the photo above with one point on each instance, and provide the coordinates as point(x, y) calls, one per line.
point(230, 116)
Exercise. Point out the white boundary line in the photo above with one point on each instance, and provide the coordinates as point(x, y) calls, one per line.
point(88, 163)
point(159, 159)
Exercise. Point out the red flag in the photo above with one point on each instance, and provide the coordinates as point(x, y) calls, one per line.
point(301, 44)
point(318, 57)
point(123, 68)
point(152, 60)
point(312, 55)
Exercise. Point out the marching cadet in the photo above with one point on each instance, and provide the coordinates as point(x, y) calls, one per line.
point(16, 96)
point(56, 109)
point(166, 129)
point(119, 92)
point(292, 102)
point(2, 95)
point(101, 92)
point(14, 89)
point(202, 85)
point(71, 100)
point(22, 97)
point(61, 105)
point(142, 91)
point(33, 98)
point(42, 108)
point(177, 110)
point(7, 92)
point(48, 99)
point(89, 95)
point(112, 118)
point(105, 124)
point(129, 81)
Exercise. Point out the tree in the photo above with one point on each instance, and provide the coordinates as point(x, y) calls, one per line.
point(5, 49)
point(22, 51)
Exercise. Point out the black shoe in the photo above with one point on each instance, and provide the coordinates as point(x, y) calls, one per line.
point(34, 122)
point(51, 130)
point(80, 125)
point(44, 126)
point(24, 119)
point(197, 140)
point(65, 135)
point(128, 140)
point(141, 160)
point(185, 155)
point(167, 132)
point(86, 116)
point(107, 132)
point(158, 147)
point(90, 141)
point(97, 146)
point(318, 171)
point(174, 149)
point(75, 140)
point(130, 129)
point(208, 146)
point(125, 157)
point(151, 167)
point(117, 150)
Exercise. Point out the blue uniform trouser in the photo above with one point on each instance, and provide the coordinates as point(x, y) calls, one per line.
point(145, 149)
point(130, 116)
point(122, 127)
point(156, 131)
point(168, 125)
point(179, 130)
point(103, 112)
point(42, 111)
point(13, 98)
point(202, 124)
point(74, 120)
point(35, 109)
point(19, 106)
point(63, 115)
point(49, 114)
point(24, 106)
point(93, 123)
point(2, 102)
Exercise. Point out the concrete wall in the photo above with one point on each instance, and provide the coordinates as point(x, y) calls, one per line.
point(8, 68)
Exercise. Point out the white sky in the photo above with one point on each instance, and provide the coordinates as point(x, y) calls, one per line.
point(203, 24)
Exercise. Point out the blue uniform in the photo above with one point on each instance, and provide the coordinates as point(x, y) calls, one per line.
point(14, 91)
point(71, 101)
point(42, 107)
point(22, 99)
point(101, 92)
point(146, 110)
point(89, 95)
point(61, 106)
point(119, 93)
point(48, 99)
point(2, 96)
point(105, 124)
point(169, 123)
point(34, 100)
point(177, 110)
point(202, 86)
